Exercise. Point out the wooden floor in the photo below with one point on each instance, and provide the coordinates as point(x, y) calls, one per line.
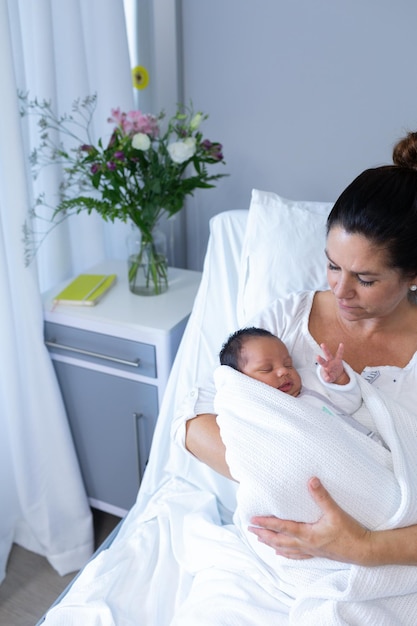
point(31, 584)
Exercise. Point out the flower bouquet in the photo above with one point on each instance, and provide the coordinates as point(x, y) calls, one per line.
point(140, 174)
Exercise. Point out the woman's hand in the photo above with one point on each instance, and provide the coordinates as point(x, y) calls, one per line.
point(336, 535)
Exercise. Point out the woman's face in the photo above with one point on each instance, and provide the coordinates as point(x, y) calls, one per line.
point(359, 277)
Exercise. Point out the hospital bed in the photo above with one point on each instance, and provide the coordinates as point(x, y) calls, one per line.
point(145, 570)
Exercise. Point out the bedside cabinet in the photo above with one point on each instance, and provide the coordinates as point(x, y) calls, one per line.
point(112, 362)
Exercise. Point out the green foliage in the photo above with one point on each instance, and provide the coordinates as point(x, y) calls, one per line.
point(141, 174)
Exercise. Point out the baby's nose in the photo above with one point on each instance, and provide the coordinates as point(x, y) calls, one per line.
point(282, 371)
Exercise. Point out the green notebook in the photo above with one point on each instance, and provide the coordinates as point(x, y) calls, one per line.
point(86, 289)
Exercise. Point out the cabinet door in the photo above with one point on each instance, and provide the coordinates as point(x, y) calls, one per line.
point(112, 420)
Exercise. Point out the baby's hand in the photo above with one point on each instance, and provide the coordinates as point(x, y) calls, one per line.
point(332, 369)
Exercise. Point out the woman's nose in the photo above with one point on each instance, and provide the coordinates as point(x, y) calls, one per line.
point(342, 287)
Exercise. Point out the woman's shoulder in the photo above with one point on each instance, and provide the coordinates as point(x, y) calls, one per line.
point(297, 300)
point(288, 318)
point(286, 313)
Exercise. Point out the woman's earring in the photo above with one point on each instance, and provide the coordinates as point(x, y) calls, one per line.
point(413, 288)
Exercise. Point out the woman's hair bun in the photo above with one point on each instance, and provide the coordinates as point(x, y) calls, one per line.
point(405, 151)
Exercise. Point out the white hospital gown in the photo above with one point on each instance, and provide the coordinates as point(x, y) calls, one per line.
point(288, 319)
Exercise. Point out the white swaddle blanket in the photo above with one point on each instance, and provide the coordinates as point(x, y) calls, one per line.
point(274, 444)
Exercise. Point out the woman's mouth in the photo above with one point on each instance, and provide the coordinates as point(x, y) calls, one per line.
point(346, 307)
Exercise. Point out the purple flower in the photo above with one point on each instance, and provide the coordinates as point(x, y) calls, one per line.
point(111, 166)
point(119, 155)
point(94, 168)
point(214, 150)
point(87, 148)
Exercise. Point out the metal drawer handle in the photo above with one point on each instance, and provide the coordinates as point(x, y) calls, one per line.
point(54, 344)
point(138, 426)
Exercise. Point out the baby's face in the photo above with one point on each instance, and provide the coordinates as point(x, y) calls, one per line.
point(267, 359)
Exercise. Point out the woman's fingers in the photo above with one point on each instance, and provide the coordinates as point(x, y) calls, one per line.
point(321, 496)
point(284, 536)
point(335, 535)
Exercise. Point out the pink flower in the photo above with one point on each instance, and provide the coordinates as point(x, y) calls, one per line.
point(135, 122)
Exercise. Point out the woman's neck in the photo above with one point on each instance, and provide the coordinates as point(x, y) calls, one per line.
point(390, 340)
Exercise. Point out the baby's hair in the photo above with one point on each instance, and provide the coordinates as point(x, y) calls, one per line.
point(230, 354)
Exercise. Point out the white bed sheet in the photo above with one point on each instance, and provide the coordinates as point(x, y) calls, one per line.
point(142, 578)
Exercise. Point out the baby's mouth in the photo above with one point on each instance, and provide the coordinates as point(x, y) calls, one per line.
point(286, 387)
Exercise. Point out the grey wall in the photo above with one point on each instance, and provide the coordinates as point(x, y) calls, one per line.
point(303, 94)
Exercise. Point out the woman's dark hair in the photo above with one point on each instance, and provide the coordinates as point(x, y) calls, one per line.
point(405, 151)
point(230, 354)
point(381, 205)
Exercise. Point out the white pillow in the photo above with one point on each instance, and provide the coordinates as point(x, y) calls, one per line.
point(283, 251)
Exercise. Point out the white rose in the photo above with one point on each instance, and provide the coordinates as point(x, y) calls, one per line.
point(140, 141)
point(181, 151)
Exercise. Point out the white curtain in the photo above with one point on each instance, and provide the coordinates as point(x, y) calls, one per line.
point(59, 50)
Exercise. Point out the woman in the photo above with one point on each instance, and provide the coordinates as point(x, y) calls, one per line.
point(371, 308)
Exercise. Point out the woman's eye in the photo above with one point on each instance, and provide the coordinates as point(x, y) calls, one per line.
point(365, 283)
point(332, 267)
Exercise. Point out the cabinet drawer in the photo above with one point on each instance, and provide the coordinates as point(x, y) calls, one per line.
point(124, 354)
point(112, 420)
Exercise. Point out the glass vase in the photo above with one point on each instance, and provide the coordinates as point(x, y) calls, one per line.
point(147, 262)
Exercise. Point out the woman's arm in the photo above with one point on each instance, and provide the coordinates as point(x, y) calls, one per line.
point(203, 440)
point(337, 536)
